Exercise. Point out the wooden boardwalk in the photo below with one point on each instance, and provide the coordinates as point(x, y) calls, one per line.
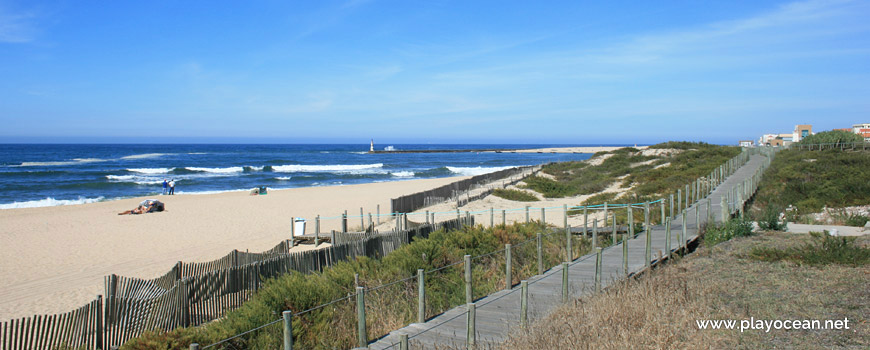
point(498, 313)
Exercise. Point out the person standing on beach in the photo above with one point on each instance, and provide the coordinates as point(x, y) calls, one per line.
point(165, 186)
point(172, 187)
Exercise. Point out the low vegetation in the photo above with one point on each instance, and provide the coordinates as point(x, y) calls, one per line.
point(515, 195)
point(719, 232)
point(387, 308)
point(822, 249)
point(650, 174)
point(805, 182)
point(660, 310)
point(836, 137)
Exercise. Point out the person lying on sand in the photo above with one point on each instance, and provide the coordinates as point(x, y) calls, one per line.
point(147, 206)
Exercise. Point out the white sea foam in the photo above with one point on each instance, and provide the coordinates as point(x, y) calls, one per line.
point(476, 170)
point(256, 168)
point(61, 163)
point(284, 178)
point(233, 169)
point(139, 180)
point(151, 170)
point(49, 202)
point(348, 168)
point(144, 156)
point(403, 174)
point(360, 152)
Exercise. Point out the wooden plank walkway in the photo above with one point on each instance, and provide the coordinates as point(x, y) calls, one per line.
point(498, 313)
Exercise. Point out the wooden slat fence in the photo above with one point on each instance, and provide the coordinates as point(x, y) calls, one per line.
point(190, 294)
point(412, 202)
point(73, 329)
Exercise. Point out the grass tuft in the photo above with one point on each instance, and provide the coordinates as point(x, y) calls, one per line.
point(823, 249)
point(515, 195)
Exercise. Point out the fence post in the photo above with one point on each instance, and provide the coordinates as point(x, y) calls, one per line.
point(527, 214)
point(100, 330)
point(614, 227)
point(362, 335)
point(344, 222)
point(565, 215)
point(564, 282)
point(688, 204)
point(709, 210)
point(539, 240)
point(598, 270)
point(379, 214)
point(524, 303)
point(469, 297)
point(543, 216)
point(724, 207)
point(671, 203)
point(288, 330)
point(668, 238)
point(508, 279)
point(569, 245)
point(630, 220)
point(293, 228)
point(317, 231)
point(648, 250)
point(503, 217)
point(403, 341)
point(185, 303)
point(605, 215)
point(421, 296)
point(594, 233)
point(458, 215)
point(646, 216)
point(471, 336)
point(491, 217)
point(332, 238)
point(585, 221)
point(662, 218)
point(679, 200)
point(427, 218)
point(625, 254)
point(362, 221)
point(683, 236)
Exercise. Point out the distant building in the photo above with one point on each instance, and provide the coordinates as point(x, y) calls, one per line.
point(764, 140)
point(746, 143)
point(777, 142)
point(863, 130)
point(801, 131)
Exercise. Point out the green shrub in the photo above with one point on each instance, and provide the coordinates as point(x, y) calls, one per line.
point(856, 220)
point(823, 249)
point(721, 232)
point(515, 195)
point(836, 137)
point(769, 220)
point(813, 180)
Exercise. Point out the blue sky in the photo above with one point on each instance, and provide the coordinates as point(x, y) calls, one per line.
point(434, 71)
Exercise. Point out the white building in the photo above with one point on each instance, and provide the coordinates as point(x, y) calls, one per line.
point(863, 130)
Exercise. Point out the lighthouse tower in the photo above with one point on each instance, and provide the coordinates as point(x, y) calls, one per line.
point(372, 146)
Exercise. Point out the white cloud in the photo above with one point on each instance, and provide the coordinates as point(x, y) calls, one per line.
point(16, 27)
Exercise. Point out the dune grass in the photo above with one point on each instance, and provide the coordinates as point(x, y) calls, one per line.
point(809, 181)
point(650, 175)
point(660, 310)
point(515, 195)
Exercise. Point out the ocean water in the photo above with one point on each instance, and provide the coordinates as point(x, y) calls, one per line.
point(45, 175)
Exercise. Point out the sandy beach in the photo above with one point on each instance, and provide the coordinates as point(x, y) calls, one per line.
point(54, 258)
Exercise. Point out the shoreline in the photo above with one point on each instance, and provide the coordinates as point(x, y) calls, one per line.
point(55, 258)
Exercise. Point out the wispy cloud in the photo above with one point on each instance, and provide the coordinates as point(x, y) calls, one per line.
point(16, 27)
